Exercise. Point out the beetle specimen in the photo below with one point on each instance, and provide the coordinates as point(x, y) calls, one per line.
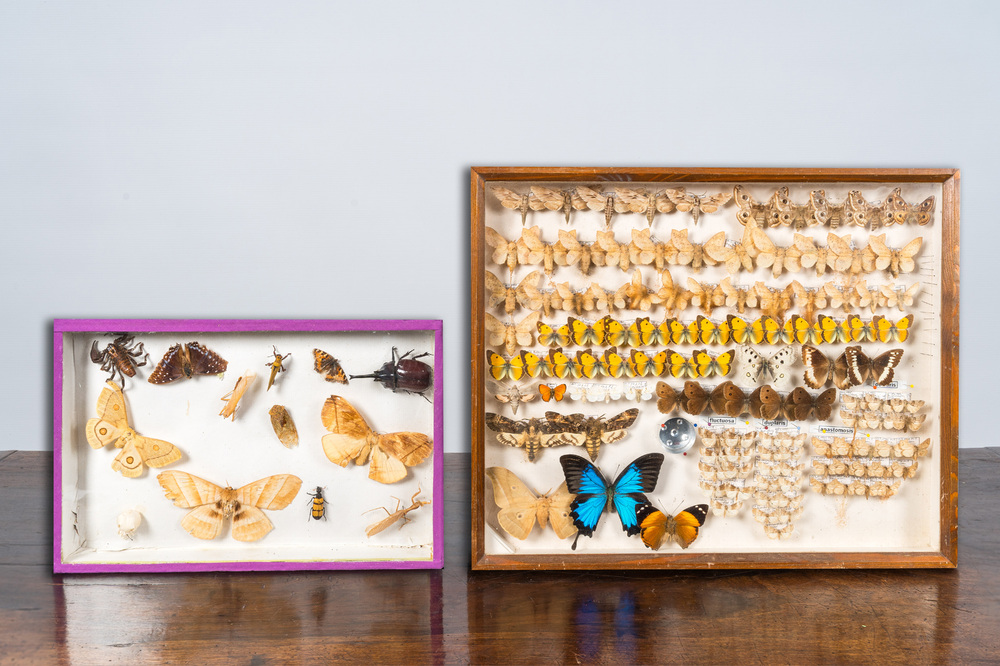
point(120, 356)
point(404, 373)
point(318, 504)
point(375, 528)
point(276, 365)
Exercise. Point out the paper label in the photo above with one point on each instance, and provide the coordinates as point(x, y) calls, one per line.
point(831, 430)
point(722, 420)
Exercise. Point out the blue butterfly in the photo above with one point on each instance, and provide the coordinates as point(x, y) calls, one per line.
point(594, 495)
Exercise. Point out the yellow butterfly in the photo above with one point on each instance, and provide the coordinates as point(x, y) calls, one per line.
point(804, 332)
point(558, 364)
point(640, 332)
point(861, 331)
point(740, 330)
point(612, 364)
point(718, 366)
point(502, 368)
point(682, 367)
point(583, 334)
point(767, 329)
point(553, 337)
point(533, 365)
point(607, 328)
point(681, 333)
point(586, 364)
point(712, 333)
point(641, 365)
point(887, 331)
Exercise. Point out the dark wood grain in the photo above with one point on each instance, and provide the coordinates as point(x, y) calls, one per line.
point(487, 617)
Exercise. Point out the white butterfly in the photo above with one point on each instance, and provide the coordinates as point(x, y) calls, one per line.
point(639, 393)
point(754, 370)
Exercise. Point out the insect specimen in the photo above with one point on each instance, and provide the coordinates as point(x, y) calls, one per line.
point(607, 203)
point(120, 356)
point(552, 392)
point(403, 373)
point(755, 369)
point(511, 395)
point(592, 431)
point(211, 504)
point(186, 361)
point(233, 397)
point(519, 202)
point(284, 426)
point(655, 527)
point(128, 522)
point(511, 296)
point(277, 365)
point(318, 510)
point(329, 367)
point(351, 438)
point(393, 517)
point(594, 495)
point(520, 507)
point(529, 434)
point(697, 204)
point(564, 200)
point(852, 368)
point(111, 426)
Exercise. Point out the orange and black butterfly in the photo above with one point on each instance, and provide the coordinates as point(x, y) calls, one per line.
point(329, 367)
point(552, 392)
point(186, 361)
point(655, 527)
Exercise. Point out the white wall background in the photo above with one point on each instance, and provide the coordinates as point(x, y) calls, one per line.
point(310, 159)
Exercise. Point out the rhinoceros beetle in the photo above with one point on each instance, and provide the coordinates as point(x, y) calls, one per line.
point(403, 373)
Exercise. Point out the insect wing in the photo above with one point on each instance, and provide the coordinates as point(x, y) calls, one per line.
point(329, 367)
point(584, 480)
point(112, 417)
point(204, 361)
point(688, 522)
point(170, 368)
point(639, 477)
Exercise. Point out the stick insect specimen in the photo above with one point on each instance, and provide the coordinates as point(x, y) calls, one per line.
point(393, 517)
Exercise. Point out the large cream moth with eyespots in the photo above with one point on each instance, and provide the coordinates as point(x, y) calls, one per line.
point(112, 426)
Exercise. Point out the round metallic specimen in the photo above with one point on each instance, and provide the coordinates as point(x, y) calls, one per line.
point(677, 435)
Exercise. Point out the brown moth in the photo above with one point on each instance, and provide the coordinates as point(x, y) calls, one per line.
point(610, 252)
point(233, 398)
point(396, 515)
point(352, 439)
point(564, 200)
point(519, 202)
point(505, 252)
point(186, 361)
point(592, 431)
point(685, 201)
point(511, 395)
point(901, 212)
point(212, 504)
point(531, 250)
point(641, 201)
point(645, 251)
point(529, 434)
point(112, 427)
point(520, 508)
point(607, 203)
point(686, 253)
point(569, 251)
point(791, 214)
point(284, 426)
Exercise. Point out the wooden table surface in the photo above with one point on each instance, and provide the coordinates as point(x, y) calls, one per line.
point(456, 616)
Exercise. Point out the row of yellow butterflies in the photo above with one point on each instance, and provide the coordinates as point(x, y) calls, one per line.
point(780, 210)
point(644, 333)
point(777, 210)
point(619, 200)
point(754, 250)
point(588, 365)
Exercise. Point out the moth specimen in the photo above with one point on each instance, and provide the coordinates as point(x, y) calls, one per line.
point(121, 356)
point(512, 295)
point(519, 202)
point(317, 504)
point(592, 431)
point(396, 515)
point(656, 527)
point(512, 395)
point(564, 200)
point(531, 250)
point(186, 361)
point(212, 504)
point(233, 398)
point(504, 251)
point(528, 434)
point(352, 439)
point(685, 201)
point(520, 508)
point(277, 365)
point(607, 203)
point(112, 427)
point(284, 426)
point(329, 367)
point(641, 201)
point(403, 373)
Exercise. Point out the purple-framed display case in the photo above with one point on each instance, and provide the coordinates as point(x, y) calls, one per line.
point(91, 497)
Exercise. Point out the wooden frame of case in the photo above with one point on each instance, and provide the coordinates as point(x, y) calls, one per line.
point(946, 557)
point(302, 543)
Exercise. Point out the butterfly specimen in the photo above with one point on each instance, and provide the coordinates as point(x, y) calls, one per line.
point(594, 494)
point(607, 203)
point(121, 356)
point(754, 369)
point(592, 431)
point(509, 295)
point(277, 365)
point(318, 504)
point(564, 200)
point(800, 404)
point(656, 527)
point(804, 332)
point(519, 202)
point(212, 504)
point(641, 201)
point(667, 398)
point(531, 250)
point(681, 366)
point(557, 364)
point(900, 212)
point(186, 361)
point(852, 368)
point(642, 365)
point(112, 427)
point(511, 335)
point(886, 330)
point(717, 366)
point(529, 434)
point(505, 252)
point(553, 393)
point(520, 507)
point(894, 261)
point(513, 368)
point(351, 438)
point(233, 398)
point(511, 395)
point(553, 337)
point(394, 516)
point(329, 367)
point(569, 251)
point(697, 205)
point(284, 426)
point(638, 393)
